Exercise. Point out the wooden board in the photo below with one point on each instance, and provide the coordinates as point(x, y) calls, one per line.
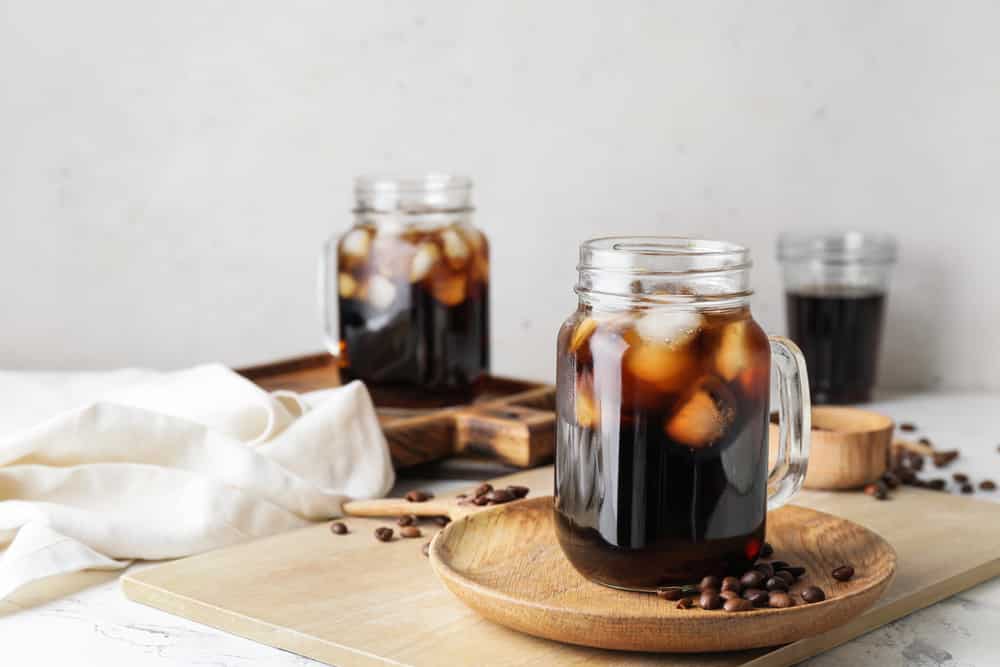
point(483, 558)
point(349, 600)
point(501, 418)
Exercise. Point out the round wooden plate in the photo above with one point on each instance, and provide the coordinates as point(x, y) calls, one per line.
point(506, 564)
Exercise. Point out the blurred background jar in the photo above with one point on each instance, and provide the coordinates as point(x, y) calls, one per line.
point(405, 291)
point(835, 296)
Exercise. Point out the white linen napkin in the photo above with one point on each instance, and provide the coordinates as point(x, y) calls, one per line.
point(98, 469)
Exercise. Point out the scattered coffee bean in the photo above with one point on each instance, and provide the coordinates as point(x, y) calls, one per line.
point(441, 520)
point(780, 600)
point(756, 597)
point(410, 531)
point(776, 584)
point(480, 501)
point(778, 565)
point(482, 490)
point(916, 461)
point(842, 573)
point(738, 604)
point(813, 594)
point(728, 595)
point(685, 603)
point(961, 478)
point(383, 534)
point(881, 493)
point(908, 427)
point(766, 550)
point(672, 593)
point(987, 485)
point(926, 441)
point(787, 576)
point(752, 579)
point(462, 496)
point(710, 582)
point(407, 520)
point(338, 528)
point(519, 491)
point(710, 600)
point(890, 480)
point(731, 584)
point(418, 496)
point(795, 570)
point(766, 569)
point(936, 484)
point(426, 549)
point(500, 496)
point(905, 475)
point(941, 459)
point(967, 488)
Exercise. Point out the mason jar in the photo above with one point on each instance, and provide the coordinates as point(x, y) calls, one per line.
point(663, 390)
point(405, 290)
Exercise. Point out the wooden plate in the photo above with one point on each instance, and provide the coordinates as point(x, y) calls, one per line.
point(506, 564)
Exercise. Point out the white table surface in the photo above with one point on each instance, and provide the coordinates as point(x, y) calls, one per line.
point(96, 625)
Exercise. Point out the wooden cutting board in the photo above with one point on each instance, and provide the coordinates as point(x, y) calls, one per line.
point(349, 600)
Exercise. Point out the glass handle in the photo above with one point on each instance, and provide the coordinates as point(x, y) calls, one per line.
point(794, 423)
point(327, 285)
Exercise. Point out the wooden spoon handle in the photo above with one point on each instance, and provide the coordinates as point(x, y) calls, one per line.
point(399, 507)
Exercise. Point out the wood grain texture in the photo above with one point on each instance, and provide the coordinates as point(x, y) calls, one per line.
point(507, 565)
point(850, 447)
point(349, 600)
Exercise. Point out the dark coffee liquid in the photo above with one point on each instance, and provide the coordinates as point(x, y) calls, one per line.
point(637, 509)
point(839, 330)
point(419, 342)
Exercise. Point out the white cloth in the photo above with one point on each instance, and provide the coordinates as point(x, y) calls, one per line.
point(98, 469)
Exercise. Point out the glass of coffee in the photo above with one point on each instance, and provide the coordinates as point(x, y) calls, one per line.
point(405, 291)
point(835, 294)
point(663, 387)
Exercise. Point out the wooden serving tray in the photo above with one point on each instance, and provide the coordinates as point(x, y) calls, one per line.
point(349, 600)
point(502, 418)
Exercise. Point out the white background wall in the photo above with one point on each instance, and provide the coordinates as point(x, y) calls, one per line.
point(169, 169)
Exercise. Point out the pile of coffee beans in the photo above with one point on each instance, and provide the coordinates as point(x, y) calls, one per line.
point(767, 585)
point(485, 494)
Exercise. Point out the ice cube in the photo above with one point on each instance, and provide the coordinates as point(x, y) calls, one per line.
point(667, 368)
point(585, 405)
point(582, 332)
point(355, 245)
point(347, 286)
point(669, 326)
point(381, 292)
point(449, 289)
point(423, 261)
point(456, 250)
point(700, 420)
point(733, 353)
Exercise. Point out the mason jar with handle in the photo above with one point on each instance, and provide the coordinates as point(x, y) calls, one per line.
point(663, 389)
point(404, 293)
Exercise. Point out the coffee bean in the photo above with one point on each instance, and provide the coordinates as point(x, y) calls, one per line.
point(406, 520)
point(905, 475)
point(426, 549)
point(518, 491)
point(480, 501)
point(752, 579)
point(890, 480)
point(936, 484)
point(776, 584)
point(908, 427)
point(462, 496)
point(410, 531)
point(710, 582)
point(813, 594)
point(383, 534)
point(961, 478)
point(967, 488)
point(778, 565)
point(685, 603)
point(941, 459)
point(731, 584)
point(842, 573)
point(482, 490)
point(788, 577)
point(669, 592)
point(916, 461)
point(441, 520)
point(418, 496)
point(500, 496)
point(756, 597)
point(780, 600)
point(709, 601)
point(338, 528)
point(728, 595)
point(882, 493)
point(987, 485)
point(926, 441)
point(795, 570)
point(766, 569)
point(766, 550)
point(737, 604)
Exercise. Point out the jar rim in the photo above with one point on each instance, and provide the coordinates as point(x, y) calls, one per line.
point(432, 192)
point(425, 182)
point(655, 255)
point(838, 247)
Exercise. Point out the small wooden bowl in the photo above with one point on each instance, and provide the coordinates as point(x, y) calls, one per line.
point(850, 447)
